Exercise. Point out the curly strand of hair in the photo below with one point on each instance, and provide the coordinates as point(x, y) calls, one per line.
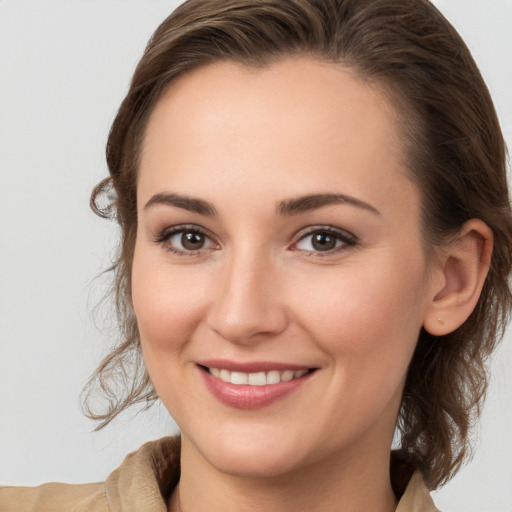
point(453, 146)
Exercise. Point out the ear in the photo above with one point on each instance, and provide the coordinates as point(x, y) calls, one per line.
point(458, 277)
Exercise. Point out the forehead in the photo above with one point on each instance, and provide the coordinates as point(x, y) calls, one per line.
point(299, 121)
point(294, 89)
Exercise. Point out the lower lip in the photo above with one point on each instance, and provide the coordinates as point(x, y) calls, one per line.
point(244, 396)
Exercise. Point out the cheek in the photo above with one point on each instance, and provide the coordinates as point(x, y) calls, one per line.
point(368, 319)
point(167, 304)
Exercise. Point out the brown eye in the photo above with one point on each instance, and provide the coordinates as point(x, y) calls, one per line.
point(329, 240)
point(323, 242)
point(185, 241)
point(192, 241)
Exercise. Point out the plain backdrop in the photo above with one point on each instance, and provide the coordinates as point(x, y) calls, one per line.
point(64, 68)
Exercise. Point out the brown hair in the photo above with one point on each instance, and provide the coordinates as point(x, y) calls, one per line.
point(455, 151)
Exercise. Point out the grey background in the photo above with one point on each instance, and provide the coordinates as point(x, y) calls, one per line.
point(64, 68)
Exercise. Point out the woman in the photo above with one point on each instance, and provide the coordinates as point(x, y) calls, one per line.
point(316, 246)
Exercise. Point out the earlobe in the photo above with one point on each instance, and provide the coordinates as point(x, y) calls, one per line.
point(459, 277)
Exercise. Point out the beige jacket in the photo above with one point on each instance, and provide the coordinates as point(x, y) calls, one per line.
point(143, 483)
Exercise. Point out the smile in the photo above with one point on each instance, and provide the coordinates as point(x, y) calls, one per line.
point(260, 385)
point(257, 378)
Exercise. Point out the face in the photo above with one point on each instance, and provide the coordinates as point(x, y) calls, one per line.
point(279, 281)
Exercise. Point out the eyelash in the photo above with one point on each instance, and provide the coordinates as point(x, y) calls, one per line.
point(164, 237)
point(345, 239)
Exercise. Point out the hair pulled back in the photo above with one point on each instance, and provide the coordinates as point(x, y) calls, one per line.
point(455, 153)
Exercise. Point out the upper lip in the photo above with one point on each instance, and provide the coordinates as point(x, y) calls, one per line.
point(251, 367)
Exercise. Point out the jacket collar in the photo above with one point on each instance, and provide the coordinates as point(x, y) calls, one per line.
point(147, 477)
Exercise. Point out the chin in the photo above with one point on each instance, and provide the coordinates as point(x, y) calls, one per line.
point(260, 464)
point(258, 454)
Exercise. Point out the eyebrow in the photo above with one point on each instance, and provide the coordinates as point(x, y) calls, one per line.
point(186, 203)
point(293, 206)
point(312, 202)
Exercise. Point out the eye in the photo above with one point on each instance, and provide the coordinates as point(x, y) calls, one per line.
point(185, 240)
point(325, 240)
point(189, 241)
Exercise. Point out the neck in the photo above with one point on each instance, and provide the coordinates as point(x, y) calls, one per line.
point(355, 484)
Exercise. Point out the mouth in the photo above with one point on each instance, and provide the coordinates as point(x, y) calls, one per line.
point(260, 385)
point(261, 378)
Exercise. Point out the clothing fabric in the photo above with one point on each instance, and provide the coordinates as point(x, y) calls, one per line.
point(143, 483)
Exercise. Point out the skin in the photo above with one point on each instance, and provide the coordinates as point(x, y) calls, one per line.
point(246, 141)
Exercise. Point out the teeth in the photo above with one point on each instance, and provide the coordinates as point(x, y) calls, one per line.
point(273, 377)
point(258, 378)
point(287, 375)
point(239, 378)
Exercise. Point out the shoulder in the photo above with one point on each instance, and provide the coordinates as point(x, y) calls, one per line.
point(54, 497)
point(144, 480)
point(416, 497)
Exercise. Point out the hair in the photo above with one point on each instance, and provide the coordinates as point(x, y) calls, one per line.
point(455, 153)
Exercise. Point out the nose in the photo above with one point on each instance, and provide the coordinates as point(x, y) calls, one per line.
point(247, 305)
